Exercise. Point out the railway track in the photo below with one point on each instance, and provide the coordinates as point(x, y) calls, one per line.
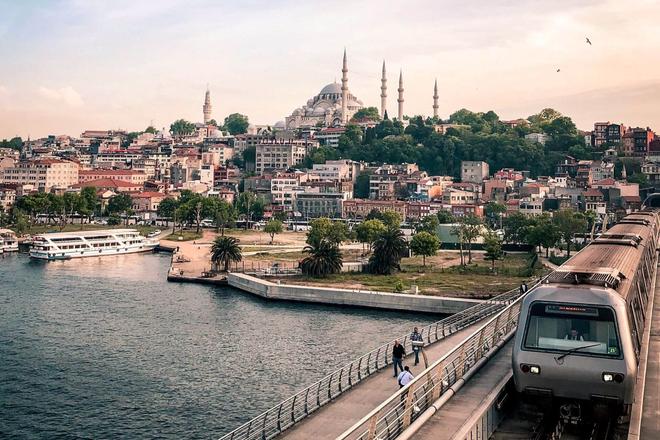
point(525, 421)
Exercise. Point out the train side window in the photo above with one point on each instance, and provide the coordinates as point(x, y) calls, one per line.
point(636, 336)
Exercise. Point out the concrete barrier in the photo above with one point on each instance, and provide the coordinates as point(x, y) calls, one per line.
point(359, 298)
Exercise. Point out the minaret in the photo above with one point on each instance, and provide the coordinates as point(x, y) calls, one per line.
point(435, 99)
point(207, 106)
point(383, 93)
point(400, 100)
point(624, 174)
point(344, 90)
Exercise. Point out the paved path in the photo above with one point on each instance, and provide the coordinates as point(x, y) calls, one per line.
point(454, 414)
point(650, 426)
point(346, 410)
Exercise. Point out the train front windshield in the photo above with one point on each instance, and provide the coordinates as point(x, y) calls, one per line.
point(563, 327)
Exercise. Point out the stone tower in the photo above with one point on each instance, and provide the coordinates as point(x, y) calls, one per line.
point(383, 93)
point(344, 90)
point(435, 99)
point(207, 106)
point(400, 100)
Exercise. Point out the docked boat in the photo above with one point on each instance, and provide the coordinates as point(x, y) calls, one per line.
point(67, 245)
point(8, 241)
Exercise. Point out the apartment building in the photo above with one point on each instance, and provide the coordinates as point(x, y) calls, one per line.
point(43, 174)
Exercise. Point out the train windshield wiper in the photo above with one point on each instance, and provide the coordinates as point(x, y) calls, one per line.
point(573, 350)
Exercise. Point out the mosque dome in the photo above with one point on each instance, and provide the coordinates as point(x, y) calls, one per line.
point(332, 88)
point(280, 125)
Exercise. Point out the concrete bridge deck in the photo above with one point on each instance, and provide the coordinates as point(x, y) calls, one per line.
point(648, 392)
point(455, 414)
point(334, 418)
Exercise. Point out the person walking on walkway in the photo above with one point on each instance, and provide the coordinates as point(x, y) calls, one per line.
point(416, 336)
point(398, 351)
point(405, 377)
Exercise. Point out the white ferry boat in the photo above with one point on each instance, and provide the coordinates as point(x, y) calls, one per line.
point(8, 241)
point(67, 245)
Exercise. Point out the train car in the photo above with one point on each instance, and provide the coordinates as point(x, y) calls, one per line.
point(579, 334)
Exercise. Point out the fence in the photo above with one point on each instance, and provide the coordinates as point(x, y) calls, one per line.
point(396, 414)
point(294, 409)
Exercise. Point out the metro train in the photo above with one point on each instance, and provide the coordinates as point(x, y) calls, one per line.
point(579, 334)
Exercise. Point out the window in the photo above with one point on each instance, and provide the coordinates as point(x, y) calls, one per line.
point(563, 327)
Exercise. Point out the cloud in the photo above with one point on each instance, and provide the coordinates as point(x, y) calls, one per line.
point(66, 95)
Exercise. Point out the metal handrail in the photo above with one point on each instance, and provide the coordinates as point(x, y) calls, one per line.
point(392, 417)
point(274, 421)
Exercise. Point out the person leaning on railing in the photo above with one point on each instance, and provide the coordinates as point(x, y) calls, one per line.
point(398, 352)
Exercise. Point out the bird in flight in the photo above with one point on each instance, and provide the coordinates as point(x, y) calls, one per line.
point(589, 41)
point(558, 70)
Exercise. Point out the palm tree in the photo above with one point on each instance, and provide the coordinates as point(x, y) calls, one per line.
point(388, 249)
point(225, 250)
point(324, 258)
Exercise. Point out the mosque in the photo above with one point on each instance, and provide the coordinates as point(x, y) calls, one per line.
point(335, 105)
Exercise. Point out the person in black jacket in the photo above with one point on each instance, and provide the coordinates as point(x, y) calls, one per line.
point(398, 352)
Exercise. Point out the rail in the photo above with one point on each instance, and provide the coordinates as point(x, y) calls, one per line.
point(393, 416)
point(277, 419)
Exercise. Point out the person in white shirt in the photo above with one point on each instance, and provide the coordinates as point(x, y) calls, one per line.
point(405, 377)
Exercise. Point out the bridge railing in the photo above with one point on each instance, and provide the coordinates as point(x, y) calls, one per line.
point(294, 409)
point(392, 417)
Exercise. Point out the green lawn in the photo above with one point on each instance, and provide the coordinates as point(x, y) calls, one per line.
point(474, 281)
point(186, 236)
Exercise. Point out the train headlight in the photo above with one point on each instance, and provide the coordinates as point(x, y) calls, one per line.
point(526, 368)
point(613, 377)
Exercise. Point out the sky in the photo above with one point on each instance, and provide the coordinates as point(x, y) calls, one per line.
point(71, 65)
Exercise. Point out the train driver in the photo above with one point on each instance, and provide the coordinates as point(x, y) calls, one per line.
point(573, 335)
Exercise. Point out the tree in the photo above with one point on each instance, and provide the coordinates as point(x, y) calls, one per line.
point(445, 217)
point(121, 204)
point(515, 226)
point(467, 230)
point(388, 249)
point(568, 224)
point(325, 229)
point(89, 202)
point(151, 129)
point(494, 211)
point(361, 186)
point(366, 113)
point(367, 231)
point(428, 224)
point(15, 143)
point(391, 219)
point(236, 123)
point(493, 247)
point(20, 222)
point(324, 258)
point(225, 250)
point(273, 227)
point(424, 244)
point(223, 214)
point(167, 209)
point(250, 205)
point(639, 178)
point(181, 127)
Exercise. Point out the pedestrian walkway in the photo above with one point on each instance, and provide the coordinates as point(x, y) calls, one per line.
point(336, 417)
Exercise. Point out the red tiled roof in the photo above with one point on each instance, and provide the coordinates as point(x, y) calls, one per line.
point(592, 192)
point(108, 172)
point(148, 194)
point(106, 183)
point(608, 181)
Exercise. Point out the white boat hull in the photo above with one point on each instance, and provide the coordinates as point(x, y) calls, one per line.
point(83, 253)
